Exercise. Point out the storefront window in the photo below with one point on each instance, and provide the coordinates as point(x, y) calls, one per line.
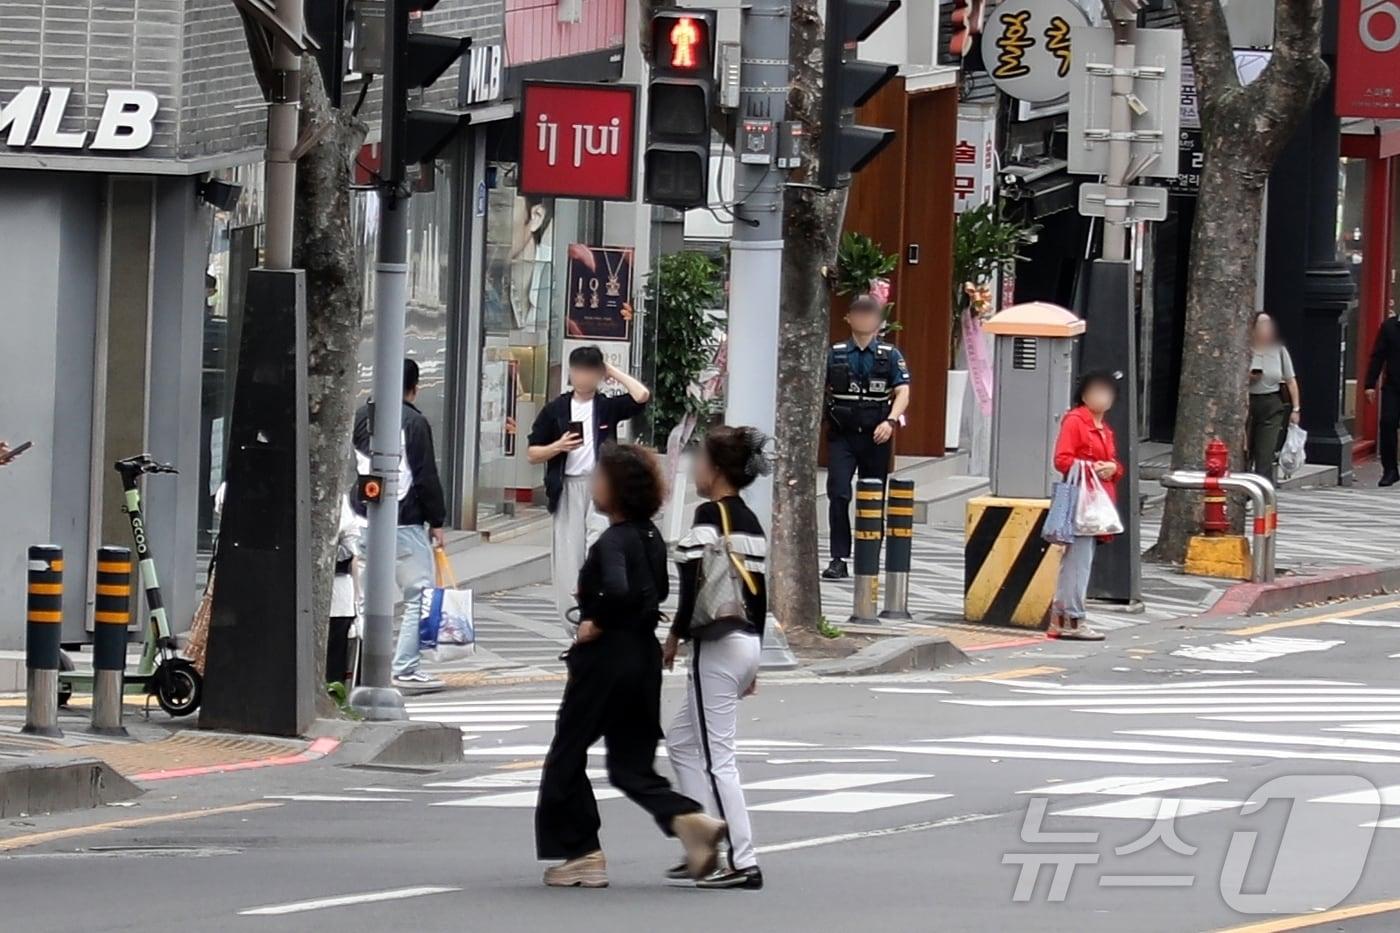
point(430, 295)
point(235, 242)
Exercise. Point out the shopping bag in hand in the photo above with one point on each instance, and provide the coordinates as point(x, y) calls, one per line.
point(1094, 513)
point(446, 628)
point(1059, 521)
point(1294, 453)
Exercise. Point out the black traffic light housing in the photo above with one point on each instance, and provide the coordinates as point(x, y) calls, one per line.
point(847, 82)
point(679, 99)
point(327, 21)
point(416, 60)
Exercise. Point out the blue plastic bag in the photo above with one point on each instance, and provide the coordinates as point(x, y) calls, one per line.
point(1064, 499)
point(446, 622)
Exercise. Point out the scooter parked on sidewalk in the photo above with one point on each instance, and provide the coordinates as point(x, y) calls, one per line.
point(174, 682)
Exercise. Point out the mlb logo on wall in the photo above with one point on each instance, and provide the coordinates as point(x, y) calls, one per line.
point(578, 140)
point(1368, 59)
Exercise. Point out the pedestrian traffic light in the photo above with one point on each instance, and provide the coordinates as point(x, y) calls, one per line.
point(416, 60)
point(845, 147)
point(680, 95)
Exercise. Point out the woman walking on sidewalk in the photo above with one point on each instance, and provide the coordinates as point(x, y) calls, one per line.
point(614, 687)
point(726, 538)
point(1274, 401)
point(1085, 438)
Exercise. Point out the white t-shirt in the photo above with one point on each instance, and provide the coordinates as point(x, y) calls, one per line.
point(580, 462)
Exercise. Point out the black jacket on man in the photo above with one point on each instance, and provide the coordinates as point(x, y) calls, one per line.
point(553, 420)
point(425, 503)
point(1385, 355)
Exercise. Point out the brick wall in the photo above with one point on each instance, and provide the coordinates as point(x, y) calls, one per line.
point(190, 53)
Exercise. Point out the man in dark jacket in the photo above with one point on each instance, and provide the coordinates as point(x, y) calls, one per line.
point(1385, 358)
point(422, 515)
point(566, 437)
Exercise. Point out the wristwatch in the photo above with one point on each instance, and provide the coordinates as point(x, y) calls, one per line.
point(892, 423)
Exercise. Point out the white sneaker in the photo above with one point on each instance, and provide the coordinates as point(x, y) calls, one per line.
point(418, 682)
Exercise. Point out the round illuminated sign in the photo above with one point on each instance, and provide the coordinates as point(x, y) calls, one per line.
point(1026, 47)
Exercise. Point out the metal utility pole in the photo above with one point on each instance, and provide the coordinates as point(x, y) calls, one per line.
point(375, 698)
point(756, 249)
point(283, 129)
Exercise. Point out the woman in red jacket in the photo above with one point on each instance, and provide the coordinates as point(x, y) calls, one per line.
point(1085, 437)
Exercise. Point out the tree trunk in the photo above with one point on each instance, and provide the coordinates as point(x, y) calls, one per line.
point(1220, 300)
point(1245, 129)
point(812, 226)
point(325, 248)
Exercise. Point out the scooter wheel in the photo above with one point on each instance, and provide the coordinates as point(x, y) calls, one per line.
point(65, 688)
point(178, 687)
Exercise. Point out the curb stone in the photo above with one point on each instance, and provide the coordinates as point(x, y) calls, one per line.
point(894, 655)
point(55, 786)
point(1335, 583)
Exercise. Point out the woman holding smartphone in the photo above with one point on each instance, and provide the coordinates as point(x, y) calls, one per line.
point(1274, 401)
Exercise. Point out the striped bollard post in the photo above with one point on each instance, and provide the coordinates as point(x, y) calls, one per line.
point(899, 549)
point(111, 618)
point(869, 532)
point(43, 638)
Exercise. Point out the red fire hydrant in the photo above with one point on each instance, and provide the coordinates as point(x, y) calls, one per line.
point(1216, 521)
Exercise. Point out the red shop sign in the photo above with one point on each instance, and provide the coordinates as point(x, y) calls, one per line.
point(1368, 59)
point(578, 140)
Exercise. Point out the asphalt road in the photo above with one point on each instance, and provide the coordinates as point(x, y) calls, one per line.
point(1177, 779)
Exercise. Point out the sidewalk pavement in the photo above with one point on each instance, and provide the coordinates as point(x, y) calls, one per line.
point(1320, 529)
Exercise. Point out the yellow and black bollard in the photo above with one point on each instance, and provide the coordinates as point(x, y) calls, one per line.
point(43, 639)
point(869, 532)
point(111, 618)
point(899, 512)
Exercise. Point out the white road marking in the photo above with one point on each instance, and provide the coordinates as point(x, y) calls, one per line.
point(473, 718)
point(817, 841)
point(1253, 650)
point(1344, 716)
point(1364, 623)
point(1299, 692)
point(346, 900)
point(830, 761)
point(1123, 786)
point(505, 780)
point(1266, 738)
point(1211, 685)
point(524, 799)
point(521, 705)
point(832, 781)
point(1391, 823)
point(1020, 741)
point(1392, 709)
point(1370, 728)
point(1045, 755)
point(1383, 796)
point(1183, 701)
point(908, 690)
point(850, 801)
point(333, 798)
point(1151, 808)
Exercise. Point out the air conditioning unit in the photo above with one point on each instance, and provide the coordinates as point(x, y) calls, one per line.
point(570, 11)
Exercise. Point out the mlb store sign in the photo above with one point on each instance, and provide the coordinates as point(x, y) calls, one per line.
point(32, 118)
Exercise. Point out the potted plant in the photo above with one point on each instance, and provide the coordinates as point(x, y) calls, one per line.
point(985, 243)
point(862, 268)
point(686, 287)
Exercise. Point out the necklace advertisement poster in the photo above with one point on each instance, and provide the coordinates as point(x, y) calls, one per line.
point(600, 292)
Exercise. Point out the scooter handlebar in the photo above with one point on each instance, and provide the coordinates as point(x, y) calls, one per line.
point(143, 463)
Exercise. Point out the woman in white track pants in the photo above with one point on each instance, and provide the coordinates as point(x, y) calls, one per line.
point(725, 654)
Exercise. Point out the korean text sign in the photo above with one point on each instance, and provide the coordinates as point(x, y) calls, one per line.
point(1368, 58)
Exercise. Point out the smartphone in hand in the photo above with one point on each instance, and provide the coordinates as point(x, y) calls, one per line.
point(15, 452)
point(576, 427)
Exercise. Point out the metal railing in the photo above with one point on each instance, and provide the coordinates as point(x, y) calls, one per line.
point(1262, 497)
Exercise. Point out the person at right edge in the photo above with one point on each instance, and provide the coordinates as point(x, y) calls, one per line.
point(867, 394)
point(1385, 360)
point(1085, 437)
point(725, 654)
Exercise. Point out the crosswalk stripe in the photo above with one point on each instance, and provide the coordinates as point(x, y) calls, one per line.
point(1344, 716)
point(1390, 710)
point(1118, 745)
point(1122, 786)
point(1151, 808)
point(1195, 700)
point(1270, 738)
point(472, 718)
point(1212, 685)
point(1045, 755)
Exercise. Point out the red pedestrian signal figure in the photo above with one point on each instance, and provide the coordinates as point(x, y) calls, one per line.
point(685, 39)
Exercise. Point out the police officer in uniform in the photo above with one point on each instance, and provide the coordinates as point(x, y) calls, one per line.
point(867, 392)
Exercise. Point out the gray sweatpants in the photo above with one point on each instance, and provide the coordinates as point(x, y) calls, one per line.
point(576, 526)
point(1073, 584)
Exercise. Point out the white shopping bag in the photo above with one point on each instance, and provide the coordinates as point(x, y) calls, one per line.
point(1094, 513)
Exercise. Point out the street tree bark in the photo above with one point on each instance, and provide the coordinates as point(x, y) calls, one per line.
point(1244, 130)
point(325, 248)
point(812, 227)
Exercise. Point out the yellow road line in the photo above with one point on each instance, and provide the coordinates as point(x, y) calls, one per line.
point(1314, 920)
point(35, 839)
point(1314, 620)
point(1015, 674)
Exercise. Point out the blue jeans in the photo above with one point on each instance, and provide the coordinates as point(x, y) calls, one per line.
point(414, 573)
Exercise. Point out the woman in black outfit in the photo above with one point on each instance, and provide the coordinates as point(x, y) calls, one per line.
point(614, 687)
point(725, 653)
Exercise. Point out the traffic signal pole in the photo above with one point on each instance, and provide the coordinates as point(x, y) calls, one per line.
point(376, 699)
point(283, 119)
point(756, 248)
